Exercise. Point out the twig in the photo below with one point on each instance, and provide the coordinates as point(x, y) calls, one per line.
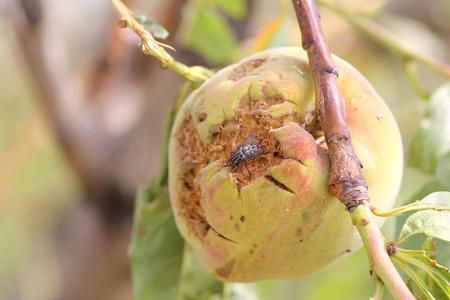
point(387, 40)
point(412, 75)
point(415, 206)
point(119, 56)
point(346, 180)
point(150, 46)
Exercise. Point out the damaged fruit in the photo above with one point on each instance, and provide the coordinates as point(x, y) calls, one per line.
point(249, 167)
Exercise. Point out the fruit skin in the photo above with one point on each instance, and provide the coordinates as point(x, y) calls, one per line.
point(265, 230)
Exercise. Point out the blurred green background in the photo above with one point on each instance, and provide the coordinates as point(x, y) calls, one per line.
point(65, 201)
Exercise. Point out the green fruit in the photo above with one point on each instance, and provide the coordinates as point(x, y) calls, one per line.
point(270, 215)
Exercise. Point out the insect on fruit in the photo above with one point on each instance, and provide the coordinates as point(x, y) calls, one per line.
point(247, 150)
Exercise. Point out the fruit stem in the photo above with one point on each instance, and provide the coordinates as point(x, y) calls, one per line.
point(346, 181)
point(152, 47)
point(415, 206)
point(386, 39)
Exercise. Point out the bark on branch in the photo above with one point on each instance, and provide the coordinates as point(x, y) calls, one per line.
point(346, 181)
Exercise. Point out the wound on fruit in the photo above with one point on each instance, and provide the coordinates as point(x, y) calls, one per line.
point(249, 166)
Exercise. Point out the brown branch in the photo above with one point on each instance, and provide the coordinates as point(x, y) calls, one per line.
point(59, 97)
point(346, 181)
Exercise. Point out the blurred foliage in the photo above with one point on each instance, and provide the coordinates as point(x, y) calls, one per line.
point(207, 30)
point(163, 266)
point(440, 181)
point(196, 284)
point(432, 141)
point(156, 249)
point(427, 278)
point(369, 7)
point(36, 185)
point(432, 223)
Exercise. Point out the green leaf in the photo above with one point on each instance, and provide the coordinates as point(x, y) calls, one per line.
point(196, 283)
point(432, 141)
point(158, 31)
point(233, 8)
point(415, 282)
point(429, 246)
point(439, 199)
point(163, 266)
point(210, 35)
point(156, 247)
point(429, 222)
point(435, 277)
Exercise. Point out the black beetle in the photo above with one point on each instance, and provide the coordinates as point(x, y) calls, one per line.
point(247, 150)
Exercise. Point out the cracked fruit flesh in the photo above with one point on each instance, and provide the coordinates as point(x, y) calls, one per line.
point(268, 213)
